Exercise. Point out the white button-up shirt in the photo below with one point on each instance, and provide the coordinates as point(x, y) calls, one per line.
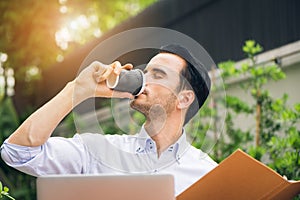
point(111, 154)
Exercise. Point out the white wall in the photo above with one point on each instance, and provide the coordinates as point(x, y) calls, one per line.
point(290, 58)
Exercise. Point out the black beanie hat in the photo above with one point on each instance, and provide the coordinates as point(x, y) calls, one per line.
point(201, 86)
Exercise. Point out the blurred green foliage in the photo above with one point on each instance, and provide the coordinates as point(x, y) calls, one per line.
point(28, 36)
point(28, 31)
point(4, 192)
point(21, 185)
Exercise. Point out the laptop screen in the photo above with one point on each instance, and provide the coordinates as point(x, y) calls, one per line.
point(106, 187)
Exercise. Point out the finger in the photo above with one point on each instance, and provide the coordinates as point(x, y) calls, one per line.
point(117, 94)
point(97, 65)
point(97, 76)
point(118, 70)
point(117, 67)
point(100, 70)
point(127, 66)
point(105, 75)
point(109, 93)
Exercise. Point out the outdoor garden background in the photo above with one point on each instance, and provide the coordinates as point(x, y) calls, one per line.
point(37, 35)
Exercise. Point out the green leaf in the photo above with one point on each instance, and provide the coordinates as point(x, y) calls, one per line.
point(256, 152)
point(245, 49)
point(245, 67)
point(297, 107)
point(6, 189)
point(250, 43)
point(228, 68)
point(253, 92)
point(259, 71)
point(252, 48)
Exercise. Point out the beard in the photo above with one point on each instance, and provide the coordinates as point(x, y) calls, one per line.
point(156, 106)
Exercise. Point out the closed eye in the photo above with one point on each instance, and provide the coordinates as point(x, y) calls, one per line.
point(158, 73)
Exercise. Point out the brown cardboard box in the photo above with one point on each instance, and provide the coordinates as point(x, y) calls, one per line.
point(241, 177)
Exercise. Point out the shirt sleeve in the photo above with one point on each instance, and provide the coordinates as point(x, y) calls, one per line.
point(57, 156)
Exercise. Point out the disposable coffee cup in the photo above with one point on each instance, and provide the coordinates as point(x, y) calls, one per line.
point(131, 81)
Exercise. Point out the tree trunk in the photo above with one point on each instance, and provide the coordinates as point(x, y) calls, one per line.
point(258, 119)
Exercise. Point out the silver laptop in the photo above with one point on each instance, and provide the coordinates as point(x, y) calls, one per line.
point(105, 187)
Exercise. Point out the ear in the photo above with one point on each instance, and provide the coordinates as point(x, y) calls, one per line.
point(185, 99)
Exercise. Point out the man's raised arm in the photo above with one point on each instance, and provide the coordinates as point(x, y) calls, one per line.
point(38, 127)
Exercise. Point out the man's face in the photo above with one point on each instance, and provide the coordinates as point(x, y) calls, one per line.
point(162, 79)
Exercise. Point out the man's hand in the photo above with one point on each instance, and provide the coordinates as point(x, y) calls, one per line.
point(38, 127)
point(91, 82)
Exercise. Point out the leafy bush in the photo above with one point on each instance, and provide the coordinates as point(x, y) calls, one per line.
point(4, 192)
point(277, 137)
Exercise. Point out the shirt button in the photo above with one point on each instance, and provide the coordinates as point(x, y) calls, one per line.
point(155, 171)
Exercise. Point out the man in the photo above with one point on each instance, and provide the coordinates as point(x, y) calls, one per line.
point(176, 87)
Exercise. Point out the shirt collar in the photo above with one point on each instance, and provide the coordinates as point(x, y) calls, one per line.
point(147, 144)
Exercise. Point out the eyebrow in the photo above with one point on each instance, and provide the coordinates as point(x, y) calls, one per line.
point(156, 70)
